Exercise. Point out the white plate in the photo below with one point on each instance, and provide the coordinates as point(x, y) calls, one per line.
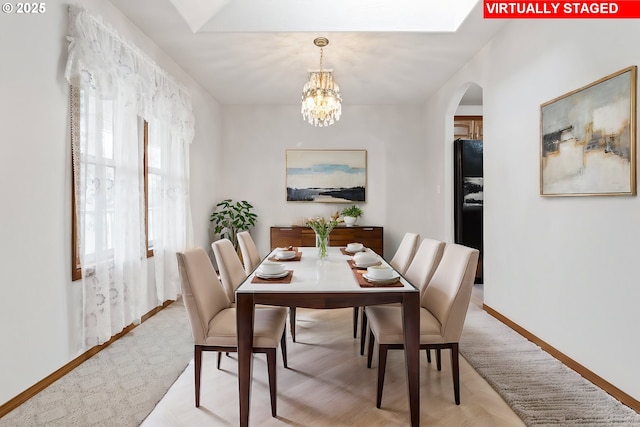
point(285, 256)
point(366, 264)
point(382, 281)
point(271, 276)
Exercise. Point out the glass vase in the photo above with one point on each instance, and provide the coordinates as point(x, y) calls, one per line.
point(322, 243)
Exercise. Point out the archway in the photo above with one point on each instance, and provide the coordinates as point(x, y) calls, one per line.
point(468, 185)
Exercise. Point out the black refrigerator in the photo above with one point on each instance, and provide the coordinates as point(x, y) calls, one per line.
point(468, 195)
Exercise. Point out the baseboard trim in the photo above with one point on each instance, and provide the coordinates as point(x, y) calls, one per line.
point(567, 361)
point(50, 379)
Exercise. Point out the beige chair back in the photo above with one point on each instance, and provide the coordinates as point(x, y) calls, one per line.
point(229, 265)
point(250, 255)
point(424, 263)
point(407, 249)
point(448, 293)
point(202, 292)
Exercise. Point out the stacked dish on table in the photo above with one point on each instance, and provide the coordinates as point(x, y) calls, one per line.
point(271, 270)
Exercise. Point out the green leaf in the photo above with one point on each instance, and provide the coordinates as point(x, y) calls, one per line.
point(231, 217)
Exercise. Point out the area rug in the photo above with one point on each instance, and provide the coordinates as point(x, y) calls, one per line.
point(539, 388)
point(120, 385)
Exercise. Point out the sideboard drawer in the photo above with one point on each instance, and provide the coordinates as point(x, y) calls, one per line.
point(285, 236)
point(341, 236)
point(371, 237)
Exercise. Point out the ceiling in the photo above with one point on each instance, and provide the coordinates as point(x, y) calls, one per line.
point(245, 54)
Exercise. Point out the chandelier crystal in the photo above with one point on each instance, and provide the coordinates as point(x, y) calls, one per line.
point(321, 100)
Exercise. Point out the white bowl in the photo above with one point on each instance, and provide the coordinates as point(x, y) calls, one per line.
point(269, 267)
point(365, 258)
point(285, 254)
point(354, 247)
point(380, 272)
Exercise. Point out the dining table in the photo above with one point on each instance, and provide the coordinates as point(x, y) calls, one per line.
point(333, 282)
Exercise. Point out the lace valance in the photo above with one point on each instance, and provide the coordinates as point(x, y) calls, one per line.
point(103, 62)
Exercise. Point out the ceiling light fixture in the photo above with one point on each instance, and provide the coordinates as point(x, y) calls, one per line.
point(321, 100)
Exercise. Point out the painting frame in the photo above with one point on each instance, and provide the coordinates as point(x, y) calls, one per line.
point(326, 175)
point(588, 139)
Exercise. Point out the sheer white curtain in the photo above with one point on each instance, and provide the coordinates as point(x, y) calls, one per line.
point(169, 199)
point(117, 86)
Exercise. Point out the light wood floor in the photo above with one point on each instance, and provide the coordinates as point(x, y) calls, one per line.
point(328, 384)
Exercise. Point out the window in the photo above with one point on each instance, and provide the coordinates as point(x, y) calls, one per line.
point(116, 225)
point(94, 162)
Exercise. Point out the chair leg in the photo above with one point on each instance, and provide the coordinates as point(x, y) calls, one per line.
point(455, 371)
point(292, 320)
point(283, 344)
point(355, 321)
point(439, 359)
point(382, 366)
point(363, 330)
point(197, 362)
point(428, 351)
point(219, 359)
point(370, 352)
point(271, 369)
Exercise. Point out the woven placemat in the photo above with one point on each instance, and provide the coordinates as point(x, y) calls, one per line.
point(364, 283)
point(286, 279)
point(295, 258)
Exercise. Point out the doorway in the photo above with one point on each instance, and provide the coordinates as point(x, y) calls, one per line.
point(468, 175)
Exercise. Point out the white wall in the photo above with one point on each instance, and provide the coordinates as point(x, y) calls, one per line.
point(562, 268)
point(40, 305)
point(256, 139)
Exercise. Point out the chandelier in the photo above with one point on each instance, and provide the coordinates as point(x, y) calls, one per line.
point(321, 100)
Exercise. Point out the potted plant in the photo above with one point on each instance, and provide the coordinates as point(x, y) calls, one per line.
point(350, 215)
point(230, 218)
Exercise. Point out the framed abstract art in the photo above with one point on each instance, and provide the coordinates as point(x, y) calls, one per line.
point(588, 139)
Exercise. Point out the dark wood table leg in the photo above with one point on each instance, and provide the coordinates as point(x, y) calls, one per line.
point(411, 325)
point(244, 321)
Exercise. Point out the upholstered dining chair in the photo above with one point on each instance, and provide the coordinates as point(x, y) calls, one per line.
point(444, 305)
point(400, 262)
point(423, 265)
point(213, 319)
point(232, 272)
point(405, 252)
point(249, 251)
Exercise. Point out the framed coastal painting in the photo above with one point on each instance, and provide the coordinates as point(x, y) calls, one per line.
point(588, 139)
point(330, 176)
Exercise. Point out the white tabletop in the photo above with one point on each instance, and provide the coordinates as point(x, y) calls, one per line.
point(313, 275)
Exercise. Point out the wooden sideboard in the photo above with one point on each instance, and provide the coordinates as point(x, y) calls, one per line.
point(370, 237)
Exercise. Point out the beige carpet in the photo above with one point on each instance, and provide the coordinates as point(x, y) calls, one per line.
point(120, 385)
point(328, 384)
point(540, 389)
